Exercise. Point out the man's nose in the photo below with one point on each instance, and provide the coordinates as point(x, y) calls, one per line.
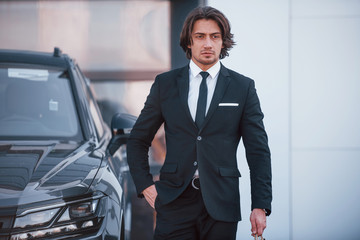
point(207, 43)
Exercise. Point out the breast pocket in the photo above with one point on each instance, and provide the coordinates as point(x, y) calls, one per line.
point(229, 107)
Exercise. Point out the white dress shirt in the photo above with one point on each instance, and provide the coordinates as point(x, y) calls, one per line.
point(194, 85)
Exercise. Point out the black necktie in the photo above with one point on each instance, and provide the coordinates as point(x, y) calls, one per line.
point(201, 104)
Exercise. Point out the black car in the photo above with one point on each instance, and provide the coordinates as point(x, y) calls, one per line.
point(61, 173)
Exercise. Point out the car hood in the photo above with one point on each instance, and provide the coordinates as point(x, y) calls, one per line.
point(33, 173)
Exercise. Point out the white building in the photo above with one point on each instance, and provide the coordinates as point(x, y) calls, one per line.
point(304, 56)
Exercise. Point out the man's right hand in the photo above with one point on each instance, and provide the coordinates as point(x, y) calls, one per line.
point(150, 195)
point(258, 222)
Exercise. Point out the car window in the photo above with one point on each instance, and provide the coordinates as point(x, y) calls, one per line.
point(36, 102)
point(97, 119)
point(94, 111)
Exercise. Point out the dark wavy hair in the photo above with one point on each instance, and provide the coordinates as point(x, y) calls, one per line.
point(206, 13)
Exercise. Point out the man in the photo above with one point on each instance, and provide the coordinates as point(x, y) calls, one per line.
point(206, 109)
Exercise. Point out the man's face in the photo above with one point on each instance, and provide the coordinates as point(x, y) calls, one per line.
point(206, 43)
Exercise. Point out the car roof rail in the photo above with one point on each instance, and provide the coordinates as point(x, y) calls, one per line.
point(57, 52)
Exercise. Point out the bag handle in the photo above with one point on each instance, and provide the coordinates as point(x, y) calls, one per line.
point(256, 237)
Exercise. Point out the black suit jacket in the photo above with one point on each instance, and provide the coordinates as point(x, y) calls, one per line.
point(212, 148)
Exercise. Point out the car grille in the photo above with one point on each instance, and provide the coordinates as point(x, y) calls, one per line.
point(6, 222)
point(7, 216)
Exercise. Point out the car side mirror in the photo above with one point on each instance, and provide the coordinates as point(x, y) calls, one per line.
point(121, 126)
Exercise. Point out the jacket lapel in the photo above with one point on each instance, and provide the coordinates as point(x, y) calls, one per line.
point(183, 85)
point(221, 86)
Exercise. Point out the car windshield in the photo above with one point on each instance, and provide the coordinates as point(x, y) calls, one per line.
point(37, 103)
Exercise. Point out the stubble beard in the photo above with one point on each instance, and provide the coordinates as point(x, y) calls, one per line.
point(207, 61)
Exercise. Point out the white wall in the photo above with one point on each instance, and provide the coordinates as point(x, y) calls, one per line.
point(304, 56)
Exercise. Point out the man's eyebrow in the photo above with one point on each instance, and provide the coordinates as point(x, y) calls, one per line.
point(206, 33)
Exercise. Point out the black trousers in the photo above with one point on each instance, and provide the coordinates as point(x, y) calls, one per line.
point(186, 218)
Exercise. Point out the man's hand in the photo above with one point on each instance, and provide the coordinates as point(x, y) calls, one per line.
point(258, 222)
point(150, 195)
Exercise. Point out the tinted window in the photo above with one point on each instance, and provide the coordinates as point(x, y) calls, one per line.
point(95, 114)
point(36, 102)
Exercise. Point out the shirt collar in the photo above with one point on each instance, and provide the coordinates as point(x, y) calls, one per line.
point(213, 71)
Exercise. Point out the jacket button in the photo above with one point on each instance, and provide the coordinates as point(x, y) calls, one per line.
point(199, 138)
point(195, 163)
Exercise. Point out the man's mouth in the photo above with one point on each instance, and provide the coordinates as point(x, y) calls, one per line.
point(207, 52)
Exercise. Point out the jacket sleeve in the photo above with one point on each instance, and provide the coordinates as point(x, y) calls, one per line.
point(257, 151)
point(140, 139)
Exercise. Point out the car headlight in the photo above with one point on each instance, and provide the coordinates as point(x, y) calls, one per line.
point(79, 210)
point(61, 219)
point(35, 219)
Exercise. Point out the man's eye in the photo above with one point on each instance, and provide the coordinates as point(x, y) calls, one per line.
point(199, 36)
point(216, 36)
